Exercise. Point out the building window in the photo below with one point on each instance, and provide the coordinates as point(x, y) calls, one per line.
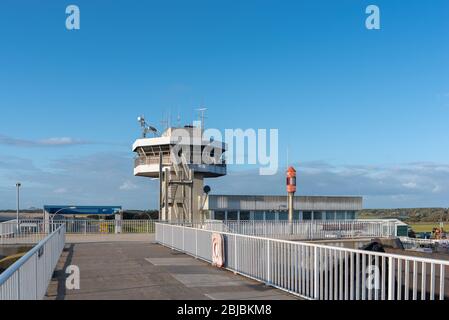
point(219, 215)
point(317, 215)
point(244, 215)
point(330, 215)
point(259, 215)
point(283, 216)
point(232, 215)
point(340, 215)
point(350, 215)
point(270, 216)
point(296, 215)
point(307, 215)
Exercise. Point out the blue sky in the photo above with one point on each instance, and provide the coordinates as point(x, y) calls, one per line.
point(362, 112)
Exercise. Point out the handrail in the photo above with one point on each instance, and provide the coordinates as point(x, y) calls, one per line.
point(321, 246)
point(315, 271)
point(5, 275)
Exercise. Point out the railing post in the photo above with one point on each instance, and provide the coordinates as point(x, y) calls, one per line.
point(162, 227)
point(316, 273)
point(36, 259)
point(18, 284)
point(172, 241)
point(196, 243)
point(235, 253)
point(268, 262)
point(390, 278)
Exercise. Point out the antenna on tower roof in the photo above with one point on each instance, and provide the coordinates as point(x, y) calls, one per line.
point(178, 119)
point(164, 122)
point(202, 116)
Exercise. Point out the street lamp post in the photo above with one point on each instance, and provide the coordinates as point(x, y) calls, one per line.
point(60, 210)
point(18, 185)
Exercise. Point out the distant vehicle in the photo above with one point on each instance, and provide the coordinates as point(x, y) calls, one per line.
point(423, 235)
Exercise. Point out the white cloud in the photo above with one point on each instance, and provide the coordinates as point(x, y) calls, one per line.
point(50, 142)
point(60, 190)
point(64, 141)
point(127, 186)
point(89, 180)
point(104, 178)
point(410, 185)
point(403, 185)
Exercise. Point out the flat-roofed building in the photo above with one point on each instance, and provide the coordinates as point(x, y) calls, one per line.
point(247, 207)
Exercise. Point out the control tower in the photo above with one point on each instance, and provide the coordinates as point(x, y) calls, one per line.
point(180, 157)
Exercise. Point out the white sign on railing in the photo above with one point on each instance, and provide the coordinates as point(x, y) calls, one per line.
point(217, 250)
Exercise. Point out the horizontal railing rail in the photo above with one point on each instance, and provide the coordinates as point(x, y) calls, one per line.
point(166, 160)
point(29, 277)
point(305, 230)
point(315, 271)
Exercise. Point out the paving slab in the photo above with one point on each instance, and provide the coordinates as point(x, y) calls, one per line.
point(130, 270)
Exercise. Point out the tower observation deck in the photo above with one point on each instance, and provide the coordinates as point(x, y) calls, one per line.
point(180, 158)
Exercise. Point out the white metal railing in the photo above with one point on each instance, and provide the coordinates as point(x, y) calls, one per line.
point(305, 230)
point(141, 160)
point(315, 271)
point(24, 232)
point(410, 243)
point(30, 230)
point(8, 228)
point(109, 226)
point(28, 277)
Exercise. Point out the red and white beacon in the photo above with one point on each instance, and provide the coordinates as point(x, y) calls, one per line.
point(291, 189)
point(291, 180)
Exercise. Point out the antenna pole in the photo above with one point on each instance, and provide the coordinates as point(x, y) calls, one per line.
point(202, 114)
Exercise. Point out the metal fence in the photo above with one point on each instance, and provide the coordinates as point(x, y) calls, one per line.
point(8, 228)
point(32, 229)
point(109, 226)
point(28, 277)
point(24, 232)
point(411, 243)
point(305, 230)
point(316, 271)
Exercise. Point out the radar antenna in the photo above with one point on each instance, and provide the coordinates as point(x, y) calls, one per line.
point(146, 128)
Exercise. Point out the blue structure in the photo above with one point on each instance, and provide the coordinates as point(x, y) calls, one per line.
point(82, 210)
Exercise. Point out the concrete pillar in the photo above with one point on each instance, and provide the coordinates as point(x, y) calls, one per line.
point(46, 222)
point(118, 223)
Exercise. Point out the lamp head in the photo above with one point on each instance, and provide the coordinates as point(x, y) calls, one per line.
point(206, 189)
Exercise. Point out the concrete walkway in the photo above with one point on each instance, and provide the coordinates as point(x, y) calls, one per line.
point(144, 270)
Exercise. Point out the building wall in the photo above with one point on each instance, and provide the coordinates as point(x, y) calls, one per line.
point(275, 207)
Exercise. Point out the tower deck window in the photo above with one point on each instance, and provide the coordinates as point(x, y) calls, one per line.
point(219, 215)
point(307, 215)
point(232, 215)
point(244, 215)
